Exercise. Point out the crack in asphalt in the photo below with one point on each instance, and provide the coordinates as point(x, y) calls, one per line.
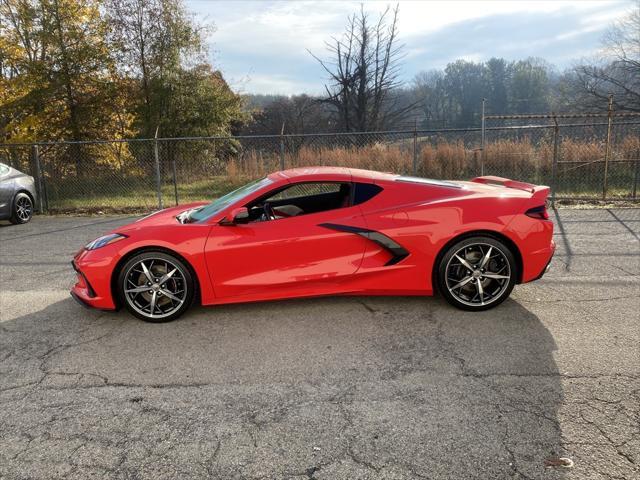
point(260, 419)
point(342, 399)
point(580, 300)
point(60, 419)
point(198, 385)
point(604, 434)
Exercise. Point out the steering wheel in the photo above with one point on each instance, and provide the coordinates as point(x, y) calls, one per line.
point(268, 211)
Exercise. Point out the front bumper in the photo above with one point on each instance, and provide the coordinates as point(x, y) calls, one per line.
point(78, 299)
point(94, 293)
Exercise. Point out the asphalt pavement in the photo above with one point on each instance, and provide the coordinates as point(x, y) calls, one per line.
point(327, 388)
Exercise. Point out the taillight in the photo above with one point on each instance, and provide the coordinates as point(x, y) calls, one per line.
point(538, 212)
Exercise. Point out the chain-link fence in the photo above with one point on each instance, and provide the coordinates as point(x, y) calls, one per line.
point(580, 157)
point(583, 156)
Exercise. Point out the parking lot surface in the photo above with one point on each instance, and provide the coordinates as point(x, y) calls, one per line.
point(328, 388)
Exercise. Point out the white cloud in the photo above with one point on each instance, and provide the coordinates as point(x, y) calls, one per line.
point(275, 84)
point(262, 45)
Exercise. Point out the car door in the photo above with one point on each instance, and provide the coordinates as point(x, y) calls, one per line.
point(267, 259)
point(6, 190)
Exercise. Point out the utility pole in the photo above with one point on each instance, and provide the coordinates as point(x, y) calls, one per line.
point(607, 150)
point(482, 156)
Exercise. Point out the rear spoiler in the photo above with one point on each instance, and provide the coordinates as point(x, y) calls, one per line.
point(537, 191)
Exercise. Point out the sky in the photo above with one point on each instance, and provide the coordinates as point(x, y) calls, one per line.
point(263, 46)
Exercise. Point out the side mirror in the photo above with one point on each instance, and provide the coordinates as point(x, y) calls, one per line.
point(237, 215)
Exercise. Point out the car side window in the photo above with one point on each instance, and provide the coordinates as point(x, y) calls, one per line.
point(364, 192)
point(302, 199)
point(3, 170)
point(305, 190)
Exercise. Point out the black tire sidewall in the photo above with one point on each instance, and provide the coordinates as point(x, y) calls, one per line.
point(444, 260)
point(185, 270)
point(15, 219)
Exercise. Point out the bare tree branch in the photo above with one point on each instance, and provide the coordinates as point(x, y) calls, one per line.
point(363, 70)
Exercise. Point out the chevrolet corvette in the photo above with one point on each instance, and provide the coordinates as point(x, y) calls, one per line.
point(324, 231)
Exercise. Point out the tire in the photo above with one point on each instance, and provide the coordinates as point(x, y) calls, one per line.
point(140, 286)
point(469, 286)
point(22, 209)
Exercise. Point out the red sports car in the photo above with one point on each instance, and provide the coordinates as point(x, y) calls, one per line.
point(324, 231)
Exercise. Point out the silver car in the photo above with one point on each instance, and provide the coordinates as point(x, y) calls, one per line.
point(17, 195)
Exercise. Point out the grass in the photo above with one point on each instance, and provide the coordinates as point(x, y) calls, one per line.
point(140, 197)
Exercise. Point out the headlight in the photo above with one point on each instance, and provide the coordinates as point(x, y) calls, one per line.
point(104, 240)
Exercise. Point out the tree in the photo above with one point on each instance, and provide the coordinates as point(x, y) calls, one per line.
point(453, 97)
point(529, 86)
point(298, 114)
point(363, 71)
point(430, 95)
point(153, 40)
point(617, 70)
point(498, 72)
point(466, 84)
point(56, 71)
point(202, 104)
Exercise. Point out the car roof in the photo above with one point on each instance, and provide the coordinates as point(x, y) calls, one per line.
point(361, 174)
point(331, 174)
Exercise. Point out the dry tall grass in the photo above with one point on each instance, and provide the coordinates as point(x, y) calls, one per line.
point(521, 158)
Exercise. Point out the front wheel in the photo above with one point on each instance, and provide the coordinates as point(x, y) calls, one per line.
point(22, 209)
point(156, 287)
point(477, 273)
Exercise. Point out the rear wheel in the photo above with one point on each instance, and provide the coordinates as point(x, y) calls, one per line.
point(156, 287)
point(477, 273)
point(22, 209)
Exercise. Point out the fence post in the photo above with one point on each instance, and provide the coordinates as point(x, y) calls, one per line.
point(554, 161)
point(282, 148)
point(636, 175)
point(415, 148)
point(35, 156)
point(482, 153)
point(175, 178)
point(607, 149)
point(158, 178)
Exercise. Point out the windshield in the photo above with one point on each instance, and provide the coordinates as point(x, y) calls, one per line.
point(223, 202)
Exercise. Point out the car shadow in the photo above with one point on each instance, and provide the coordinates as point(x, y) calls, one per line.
point(564, 238)
point(363, 383)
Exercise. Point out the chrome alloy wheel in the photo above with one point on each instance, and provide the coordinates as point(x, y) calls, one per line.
point(155, 287)
point(24, 208)
point(478, 274)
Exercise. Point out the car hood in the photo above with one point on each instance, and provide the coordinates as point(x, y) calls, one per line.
point(166, 216)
